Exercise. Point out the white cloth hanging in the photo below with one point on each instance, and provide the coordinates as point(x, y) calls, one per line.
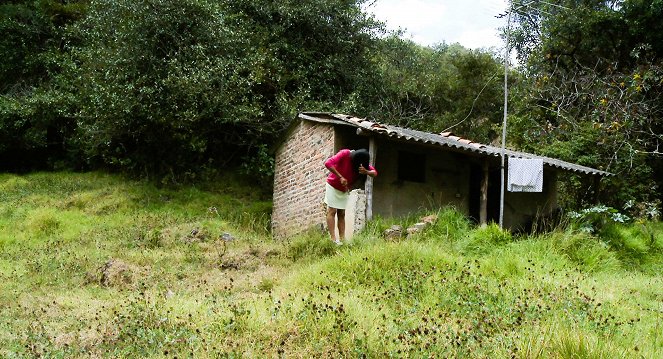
point(525, 175)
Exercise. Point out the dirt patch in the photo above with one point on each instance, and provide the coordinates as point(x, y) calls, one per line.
point(241, 261)
point(117, 273)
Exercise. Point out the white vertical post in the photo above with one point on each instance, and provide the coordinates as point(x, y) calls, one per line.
point(506, 93)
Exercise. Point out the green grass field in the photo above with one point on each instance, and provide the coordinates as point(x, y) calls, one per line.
point(94, 265)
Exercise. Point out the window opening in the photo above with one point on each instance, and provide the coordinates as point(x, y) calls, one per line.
point(411, 167)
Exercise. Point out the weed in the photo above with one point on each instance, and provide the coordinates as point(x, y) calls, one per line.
point(450, 225)
point(194, 273)
point(594, 219)
point(484, 239)
point(310, 245)
point(266, 285)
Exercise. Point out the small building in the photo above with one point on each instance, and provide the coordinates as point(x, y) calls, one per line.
point(417, 171)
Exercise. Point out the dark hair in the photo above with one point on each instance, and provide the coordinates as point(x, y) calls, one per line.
point(360, 157)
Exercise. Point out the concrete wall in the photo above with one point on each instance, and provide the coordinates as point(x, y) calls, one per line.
point(299, 180)
point(355, 213)
point(446, 181)
point(521, 208)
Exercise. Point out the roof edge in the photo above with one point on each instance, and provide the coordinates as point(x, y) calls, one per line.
point(443, 139)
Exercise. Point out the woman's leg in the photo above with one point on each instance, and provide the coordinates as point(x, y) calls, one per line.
point(331, 216)
point(340, 213)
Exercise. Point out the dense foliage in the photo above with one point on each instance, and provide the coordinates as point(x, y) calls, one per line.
point(170, 84)
point(180, 87)
point(593, 91)
point(170, 87)
point(444, 88)
point(35, 116)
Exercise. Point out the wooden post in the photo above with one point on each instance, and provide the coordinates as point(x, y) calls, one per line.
point(483, 209)
point(372, 149)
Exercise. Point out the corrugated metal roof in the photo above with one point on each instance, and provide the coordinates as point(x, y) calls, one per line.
point(445, 139)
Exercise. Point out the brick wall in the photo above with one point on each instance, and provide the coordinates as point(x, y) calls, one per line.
point(299, 178)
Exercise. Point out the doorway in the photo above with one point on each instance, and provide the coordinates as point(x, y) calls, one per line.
point(493, 210)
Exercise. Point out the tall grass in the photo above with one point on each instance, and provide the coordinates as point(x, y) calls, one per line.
point(93, 265)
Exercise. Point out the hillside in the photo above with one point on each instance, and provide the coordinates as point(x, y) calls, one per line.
point(95, 265)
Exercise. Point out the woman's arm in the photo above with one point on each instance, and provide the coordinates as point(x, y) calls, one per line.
point(333, 170)
point(372, 172)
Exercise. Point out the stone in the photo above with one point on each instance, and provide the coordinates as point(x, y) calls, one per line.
point(429, 219)
point(412, 231)
point(227, 237)
point(394, 232)
point(417, 228)
point(420, 226)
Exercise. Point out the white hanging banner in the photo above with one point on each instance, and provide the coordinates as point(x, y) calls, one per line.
point(525, 175)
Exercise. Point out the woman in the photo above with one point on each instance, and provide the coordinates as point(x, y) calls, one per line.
point(345, 168)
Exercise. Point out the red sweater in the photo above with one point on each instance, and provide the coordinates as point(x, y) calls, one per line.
point(342, 161)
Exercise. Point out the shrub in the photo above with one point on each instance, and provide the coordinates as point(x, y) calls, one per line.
point(594, 219)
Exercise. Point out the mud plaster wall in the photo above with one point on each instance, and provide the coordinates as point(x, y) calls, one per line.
point(447, 181)
point(299, 180)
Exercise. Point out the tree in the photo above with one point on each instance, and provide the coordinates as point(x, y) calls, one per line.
point(172, 86)
point(33, 106)
point(443, 88)
point(593, 93)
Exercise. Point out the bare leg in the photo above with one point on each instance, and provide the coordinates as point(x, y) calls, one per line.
point(331, 216)
point(341, 223)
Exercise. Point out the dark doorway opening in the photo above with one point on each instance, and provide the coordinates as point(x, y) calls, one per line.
point(493, 210)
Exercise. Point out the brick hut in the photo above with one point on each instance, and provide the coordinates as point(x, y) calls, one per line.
point(418, 171)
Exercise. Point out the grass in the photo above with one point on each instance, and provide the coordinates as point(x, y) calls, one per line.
point(93, 265)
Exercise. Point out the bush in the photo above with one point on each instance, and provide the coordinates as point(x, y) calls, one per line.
point(594, 219)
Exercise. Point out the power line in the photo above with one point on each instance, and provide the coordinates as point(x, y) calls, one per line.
point(528, 5)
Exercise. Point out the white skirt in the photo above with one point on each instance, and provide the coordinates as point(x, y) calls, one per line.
point(335, 198)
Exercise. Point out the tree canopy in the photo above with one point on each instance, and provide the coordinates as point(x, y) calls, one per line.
point(593, 90)
point(171, 86)
point(443, 88)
